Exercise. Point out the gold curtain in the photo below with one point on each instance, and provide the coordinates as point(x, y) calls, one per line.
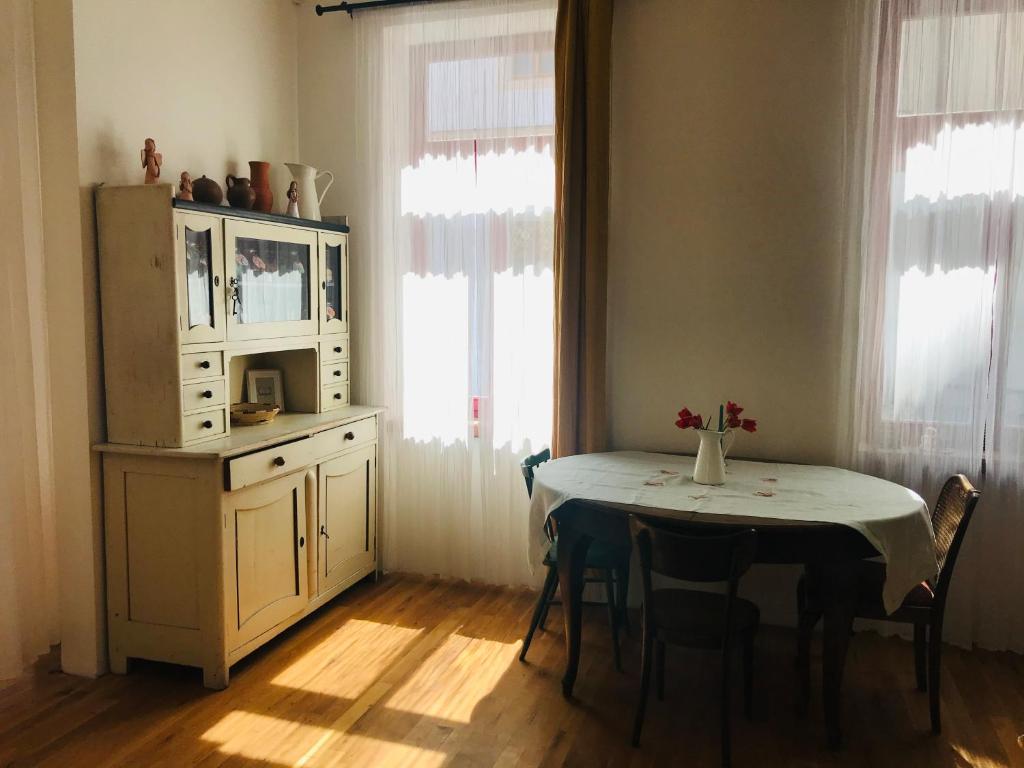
point(582, 81)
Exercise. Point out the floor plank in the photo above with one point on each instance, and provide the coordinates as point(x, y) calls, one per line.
point(424, 672)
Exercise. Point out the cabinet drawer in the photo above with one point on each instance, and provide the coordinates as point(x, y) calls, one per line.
point(342, 438)
point(333, 397)
point(334, 373)
point(335, 349)
point(202, 395)
point(203, 426)
point(199, 365)
point(272, 462)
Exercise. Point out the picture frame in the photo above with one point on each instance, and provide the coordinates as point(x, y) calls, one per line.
point(265, 386)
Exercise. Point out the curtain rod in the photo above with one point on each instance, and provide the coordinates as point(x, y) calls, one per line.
point(365, 5)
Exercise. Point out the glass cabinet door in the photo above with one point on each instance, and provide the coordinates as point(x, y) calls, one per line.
point(271, 291)
point(333, 283)
point(199, 247)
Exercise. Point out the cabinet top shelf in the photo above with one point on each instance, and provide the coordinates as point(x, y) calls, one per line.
point(241, 213)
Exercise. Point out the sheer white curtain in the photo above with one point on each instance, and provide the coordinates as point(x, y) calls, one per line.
point(28, 577)
point(938, 253)
point(452, 274)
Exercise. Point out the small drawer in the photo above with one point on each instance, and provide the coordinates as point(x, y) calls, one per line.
point(333, 397)
point(335, 349)
point(202, 395)
point(342, 438)
point(269, 463)
point(199, 365)
point(334, 373)
point(203, 426)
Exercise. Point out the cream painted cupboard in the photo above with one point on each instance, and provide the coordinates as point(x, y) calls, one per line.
point(220, 537)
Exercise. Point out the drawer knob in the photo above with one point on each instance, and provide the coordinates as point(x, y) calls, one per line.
point(350, 436)
point(337, 373)
point(337, 395)
point(204, 364)
point(207, 393)
point(302, 541)
point(338, 350)
point(207, 424)
point(279, 461)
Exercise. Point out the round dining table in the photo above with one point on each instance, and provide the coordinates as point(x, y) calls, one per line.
point(822, 517)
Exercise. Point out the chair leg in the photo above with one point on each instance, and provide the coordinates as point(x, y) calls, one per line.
point(748, 675)
point(659, 666)
point(805, 634)
point(546, 592)
point(921, 657)
point(726, 709)
point(645, 681)
point(935, 673)
point(622, 597)
point(613, 616)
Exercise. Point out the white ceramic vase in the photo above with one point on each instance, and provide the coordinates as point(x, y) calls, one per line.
point(710, 466)
point(309, 201)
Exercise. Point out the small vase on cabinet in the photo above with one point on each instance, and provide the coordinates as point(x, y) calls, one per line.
point(309, 201)
point(259, 170)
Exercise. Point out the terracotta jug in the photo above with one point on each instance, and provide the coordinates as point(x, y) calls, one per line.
point(240, 192)
point(260, 172)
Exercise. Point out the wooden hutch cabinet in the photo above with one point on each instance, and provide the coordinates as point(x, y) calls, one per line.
point(220, 537)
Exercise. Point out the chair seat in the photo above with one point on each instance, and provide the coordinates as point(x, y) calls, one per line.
point(870, 584)
point(599, 555)
point(690, 617)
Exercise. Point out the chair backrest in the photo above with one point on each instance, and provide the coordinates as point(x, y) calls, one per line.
point(529, 464)
point(950, 517)
point(716, 558)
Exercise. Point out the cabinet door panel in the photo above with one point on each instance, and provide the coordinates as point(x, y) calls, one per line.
point(199, 250)
point(269, 523)
point(347, 516)
point(333, 283)
point(272, 280)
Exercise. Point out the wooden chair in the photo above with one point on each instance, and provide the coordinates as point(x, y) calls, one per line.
point(923, 607)
point(610, 565)
point(696, 619)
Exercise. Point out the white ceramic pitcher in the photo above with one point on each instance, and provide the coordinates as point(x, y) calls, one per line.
point(306, 176)
point(710, 466)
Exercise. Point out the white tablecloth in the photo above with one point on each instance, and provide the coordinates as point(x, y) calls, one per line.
point(894, 519)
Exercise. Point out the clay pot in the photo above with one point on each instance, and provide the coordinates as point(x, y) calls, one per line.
point(240, 192)
point(206, 190)
point(260, 171)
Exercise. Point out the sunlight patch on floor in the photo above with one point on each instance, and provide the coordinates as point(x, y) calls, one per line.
point(260, 737)
point(455, 678)
point(346, 663)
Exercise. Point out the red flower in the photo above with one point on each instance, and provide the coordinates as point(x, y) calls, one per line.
point(749, 424)
point(733, 409)
point(687, 420)
point(732, 421)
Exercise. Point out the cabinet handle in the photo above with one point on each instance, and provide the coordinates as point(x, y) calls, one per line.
point(279, 461)
point(324, 533)
point(207, 424)
point(338, 350)
point(337, 373)
point(207, 393)
point(302, 541)
point(337, 395)
point(216, 281)
point(204, 364)
point(350, 436)
point(323, 285)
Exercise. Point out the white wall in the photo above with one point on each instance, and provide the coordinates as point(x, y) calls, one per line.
point(725, 191)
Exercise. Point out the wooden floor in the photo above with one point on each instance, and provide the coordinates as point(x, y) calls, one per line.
point(424, 672)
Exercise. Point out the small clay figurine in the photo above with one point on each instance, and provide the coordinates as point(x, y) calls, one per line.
point(151, 161)
point(293, 200)
point(185, 187)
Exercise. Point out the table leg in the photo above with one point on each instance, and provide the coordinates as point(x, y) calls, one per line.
point(839, 598)
point(572, 557)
